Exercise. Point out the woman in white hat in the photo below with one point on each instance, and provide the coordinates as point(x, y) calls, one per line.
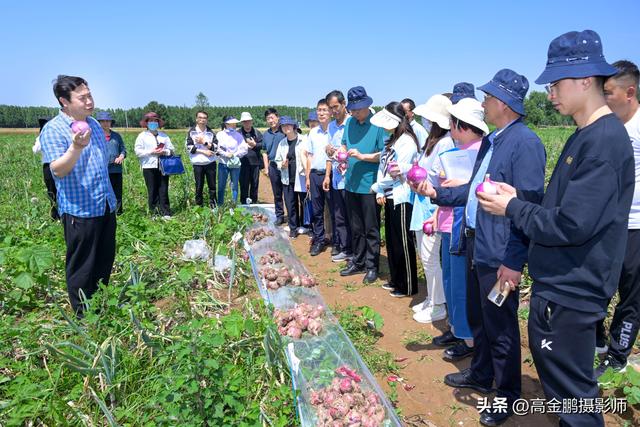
point(231, 147)
point(394, 194)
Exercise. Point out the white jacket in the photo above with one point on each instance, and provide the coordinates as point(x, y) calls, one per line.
point(405, 151)
point(281, 156)
point(146, 143)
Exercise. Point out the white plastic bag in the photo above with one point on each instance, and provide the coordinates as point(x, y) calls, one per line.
point(196, 250)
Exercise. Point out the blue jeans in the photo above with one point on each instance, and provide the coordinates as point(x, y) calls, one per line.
point(223, 173)
point(454, 280)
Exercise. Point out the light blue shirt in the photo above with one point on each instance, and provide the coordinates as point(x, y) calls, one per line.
point(86, 191)
point(335, 134)
point(317, 142)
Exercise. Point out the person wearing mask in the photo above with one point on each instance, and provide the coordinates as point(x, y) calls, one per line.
point(496, 251)
point(334, 180)
point(49, 182)
point(621, 93)
point(231, 148)
point(86, 202)
point(149, 146)
point(202, 145)
point(363, 142)
point(394, 194)
point(270, 140)
point(287, 154)
point(252, 162)
point(117, 153)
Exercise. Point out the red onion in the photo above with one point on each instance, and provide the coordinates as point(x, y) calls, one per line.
point(416, 174)
point(79, 126)
point(342, 156)
point(487, 186)
point(427, 228)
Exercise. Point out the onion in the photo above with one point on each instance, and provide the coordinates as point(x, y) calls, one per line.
point(487, 186)
point(79, 126)
point(427, 228)
point(342, 156)
point(345, 385)
point(416, 174)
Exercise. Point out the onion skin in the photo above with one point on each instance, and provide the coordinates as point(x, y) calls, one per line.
point(416, 174)
point(79, 126)
point(342, 156)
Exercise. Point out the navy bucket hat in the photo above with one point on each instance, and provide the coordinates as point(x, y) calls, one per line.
point(357, 98)
point(104, 115)
point(509, 87)
point(313, 116)
point(575, 54)
point(286, 120)
point(462, 90)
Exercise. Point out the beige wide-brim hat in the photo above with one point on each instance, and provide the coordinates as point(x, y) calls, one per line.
point(435, 110)
point(245, 116)
point(470, 111)
point(385, 119)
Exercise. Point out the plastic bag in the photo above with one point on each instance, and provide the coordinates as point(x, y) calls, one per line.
point(221, 263)
point(196, 250)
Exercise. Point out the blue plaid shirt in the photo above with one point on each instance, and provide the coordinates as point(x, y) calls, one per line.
point(86, 190)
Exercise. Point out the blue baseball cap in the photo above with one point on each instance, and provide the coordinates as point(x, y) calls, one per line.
point(357, 98)
point(575, 54)
point(104, 115)
point(312, 116)
point(509, 87)
point(286, 120)
point(462, 90)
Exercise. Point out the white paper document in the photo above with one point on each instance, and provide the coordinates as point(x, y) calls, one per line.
point(458, 164)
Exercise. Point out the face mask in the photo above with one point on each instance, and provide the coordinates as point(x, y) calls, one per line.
point(153, 126)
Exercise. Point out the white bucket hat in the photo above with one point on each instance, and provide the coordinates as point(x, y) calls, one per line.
point(232, 120)
point(385, 119)
point(245, 116)
point(435, 110)
point(469, 110)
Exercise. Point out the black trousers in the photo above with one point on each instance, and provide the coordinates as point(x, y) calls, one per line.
point(401, 247)
point(200, 172)
point(116, 184)
point(91, 250)
point(496, 335)
point(626, 318)
point(157, 191)
point(52, 192)
point(318, 199)
point(293, 206)
point(249, 181)
point(340, 220)
point(364, 218)
point(275, 178)
point(562, 343)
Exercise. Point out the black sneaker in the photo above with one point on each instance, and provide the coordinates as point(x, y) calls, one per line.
point(397, 294)
point(279, 221)
point(293, 234)
point(445, 340)
point(601, 345)
point(388, 287)
point(457, 352)
point(609, 362)
point(316, 249)
point(463, 379)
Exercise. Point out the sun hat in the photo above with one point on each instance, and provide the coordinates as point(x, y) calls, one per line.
point(435, 110)
point(104, 116)
point(575, 54)
point(245, 116)
point(469, 110)
point(357, 98)
point(510, 88)
point(462, 90)
point(286, 120)
point(385, 119)
point(313, 116)
point(231, 120)
point(151, 115)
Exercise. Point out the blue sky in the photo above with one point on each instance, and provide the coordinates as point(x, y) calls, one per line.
point(288, 52)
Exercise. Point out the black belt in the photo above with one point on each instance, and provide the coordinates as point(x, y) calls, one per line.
point(318, 171)
point(469, 232)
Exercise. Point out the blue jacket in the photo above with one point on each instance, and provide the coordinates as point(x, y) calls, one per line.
point(115, 147)
point(519, 160)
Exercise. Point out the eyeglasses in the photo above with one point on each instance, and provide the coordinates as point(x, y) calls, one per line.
point(488, 96)
point(550, 87)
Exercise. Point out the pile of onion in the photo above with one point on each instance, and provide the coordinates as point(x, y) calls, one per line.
point(274, 278)
point(271, 257)
point(258, 217)
point(257, 234)
point(302, 318)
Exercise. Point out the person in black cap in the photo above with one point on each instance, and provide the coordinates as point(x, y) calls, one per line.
point(578, 230)
point(49, 183)
point(495, 250)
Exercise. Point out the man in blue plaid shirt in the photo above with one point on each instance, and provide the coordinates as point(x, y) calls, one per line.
point(86, 201)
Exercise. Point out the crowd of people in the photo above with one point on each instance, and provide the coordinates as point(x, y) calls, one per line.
point(579, 237)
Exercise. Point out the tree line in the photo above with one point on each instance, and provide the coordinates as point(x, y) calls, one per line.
point(539, 110)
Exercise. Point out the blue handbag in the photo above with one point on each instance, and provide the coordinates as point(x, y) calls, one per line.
point(171, 165)
point(308, 210)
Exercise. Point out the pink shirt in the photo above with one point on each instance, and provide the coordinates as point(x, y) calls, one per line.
point(445, 213)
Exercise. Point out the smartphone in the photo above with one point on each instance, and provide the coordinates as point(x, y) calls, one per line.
point(497, 297)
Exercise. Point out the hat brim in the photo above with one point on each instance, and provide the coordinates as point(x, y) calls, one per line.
point(384, 119)
point(434, 117)
point(358, 105)
point(462, 115)
point(554, 72)
point(232, 121)
point(457, 97)
point(504, 96)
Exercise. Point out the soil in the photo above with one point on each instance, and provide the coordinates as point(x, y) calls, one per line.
point(431, 402)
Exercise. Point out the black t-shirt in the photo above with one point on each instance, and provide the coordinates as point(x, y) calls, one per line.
point(254, 155)
point(291, 157)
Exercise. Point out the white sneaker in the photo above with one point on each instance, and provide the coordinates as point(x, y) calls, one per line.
point(166, 217)
point(421, 306)
point(432, 313)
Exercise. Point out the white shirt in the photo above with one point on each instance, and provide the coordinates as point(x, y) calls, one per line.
point(404, 152)
point(633, 129)
point(146, 143)
point(199, 158)
point(281, 155)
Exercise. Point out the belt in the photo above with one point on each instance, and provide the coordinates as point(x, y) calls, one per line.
point(318, 171)
point(469, 232)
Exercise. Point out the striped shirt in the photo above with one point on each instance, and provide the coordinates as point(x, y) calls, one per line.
point(86, 190)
